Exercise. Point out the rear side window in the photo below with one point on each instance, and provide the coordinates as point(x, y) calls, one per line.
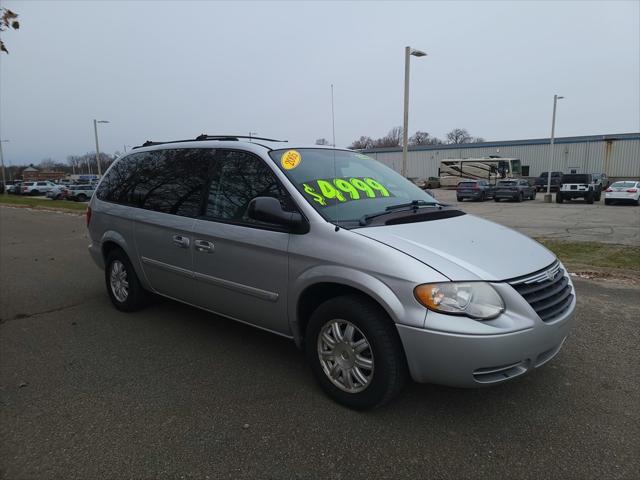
point(467, 184)
point(118, 183)
point(167, 181)
point(172, 181)
point(239, 178)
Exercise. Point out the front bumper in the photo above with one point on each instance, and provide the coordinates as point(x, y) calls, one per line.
point(461, 359)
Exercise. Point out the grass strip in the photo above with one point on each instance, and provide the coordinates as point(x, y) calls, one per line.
point(579, 256)
point(36, 202)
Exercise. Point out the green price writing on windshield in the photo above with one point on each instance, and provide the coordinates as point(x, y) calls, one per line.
point(346, 189)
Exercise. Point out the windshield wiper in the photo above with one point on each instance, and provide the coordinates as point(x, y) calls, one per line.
point(411, 206)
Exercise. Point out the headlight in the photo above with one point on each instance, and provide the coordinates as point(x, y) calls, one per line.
point(472, 299)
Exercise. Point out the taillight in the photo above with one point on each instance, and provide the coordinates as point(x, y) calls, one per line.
point(88, 215)
point(632, 190)
point(608, 190)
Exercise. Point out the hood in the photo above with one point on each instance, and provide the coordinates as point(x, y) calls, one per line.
point(465, 247)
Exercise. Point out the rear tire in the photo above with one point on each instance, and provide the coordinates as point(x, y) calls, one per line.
point(520, 197)
point(343, 375)
point(483, 197)
point(35, 193)
point(597, 197)
point(124, 288)
point(496, 199)
point(607, 202)
point(82, 197)
point(459, 199)
point(559, 197)
point(533, 195)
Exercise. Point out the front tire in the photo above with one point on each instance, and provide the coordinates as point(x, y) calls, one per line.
point(124, 288)
point(459, 199)
point(533, 195)
point(355, 352)
point(589, 198)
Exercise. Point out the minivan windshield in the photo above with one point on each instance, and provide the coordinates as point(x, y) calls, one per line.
point(345, 186)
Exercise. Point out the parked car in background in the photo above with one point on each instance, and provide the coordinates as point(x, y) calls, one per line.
point(542, 181)
point(627, 191)
point(418, 182)
point(601, 179)
point(578, 185)
point(516, 190)
point(433, 182)
point(14, 187)
point(58, 192)
point(80, 193)
point(475, 190)
point(37, 188)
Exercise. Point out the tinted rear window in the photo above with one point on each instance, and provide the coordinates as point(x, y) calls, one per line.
point(168, 181)
point(576, 178)
point(467, 184)
point(506, 183)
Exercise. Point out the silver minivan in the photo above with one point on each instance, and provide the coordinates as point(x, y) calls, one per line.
point(374, 278)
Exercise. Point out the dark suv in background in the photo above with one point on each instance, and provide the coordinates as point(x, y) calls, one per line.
point(543, 180)
point(516, 189)
point(474, 190)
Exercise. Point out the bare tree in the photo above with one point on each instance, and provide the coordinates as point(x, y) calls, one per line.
point(423, 138)
point(322, 141)
point(391, 139)
point(8, 19)
point(362, 143)
point(47, 164)
point(458, 135)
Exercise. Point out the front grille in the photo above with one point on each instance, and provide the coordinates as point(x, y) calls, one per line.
point(547, 291)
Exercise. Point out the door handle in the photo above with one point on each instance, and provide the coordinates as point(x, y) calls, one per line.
point(181, 241)
point(204, 246)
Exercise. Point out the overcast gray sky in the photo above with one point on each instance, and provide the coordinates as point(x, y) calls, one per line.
point(169, 70)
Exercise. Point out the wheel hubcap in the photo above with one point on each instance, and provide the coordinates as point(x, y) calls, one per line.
point(118, 281)
point(345, 356)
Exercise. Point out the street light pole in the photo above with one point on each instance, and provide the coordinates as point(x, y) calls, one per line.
point(408, 51)
point(95, 131)
point(4, 179)
point(547, 197)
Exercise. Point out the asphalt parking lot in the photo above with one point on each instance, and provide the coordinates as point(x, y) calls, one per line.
point(574, 220)
point(174, 392)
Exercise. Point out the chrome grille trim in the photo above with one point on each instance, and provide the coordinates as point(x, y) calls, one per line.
point(548, 291)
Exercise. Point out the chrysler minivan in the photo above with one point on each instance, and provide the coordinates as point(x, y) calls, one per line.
point(374, 278)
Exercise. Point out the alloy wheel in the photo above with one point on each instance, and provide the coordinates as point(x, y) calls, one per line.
point(118, 281)
point(345, 355)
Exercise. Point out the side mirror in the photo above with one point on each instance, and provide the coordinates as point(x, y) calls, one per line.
point(269, 210)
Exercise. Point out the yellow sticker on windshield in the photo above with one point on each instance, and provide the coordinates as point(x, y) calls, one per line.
point(290, 159)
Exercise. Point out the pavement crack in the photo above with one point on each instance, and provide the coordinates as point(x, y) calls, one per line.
point(22, 316)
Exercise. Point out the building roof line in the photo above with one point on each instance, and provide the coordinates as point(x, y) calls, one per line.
point(512, 143)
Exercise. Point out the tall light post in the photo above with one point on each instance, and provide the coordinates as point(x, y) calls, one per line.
point(4, 179)
point(408, 51)
point(547, 197)
point(95, 131)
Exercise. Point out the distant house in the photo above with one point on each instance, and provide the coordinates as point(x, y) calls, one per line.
point(32, 174)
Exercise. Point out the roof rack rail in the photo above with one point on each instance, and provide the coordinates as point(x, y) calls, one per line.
point(204, 136)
